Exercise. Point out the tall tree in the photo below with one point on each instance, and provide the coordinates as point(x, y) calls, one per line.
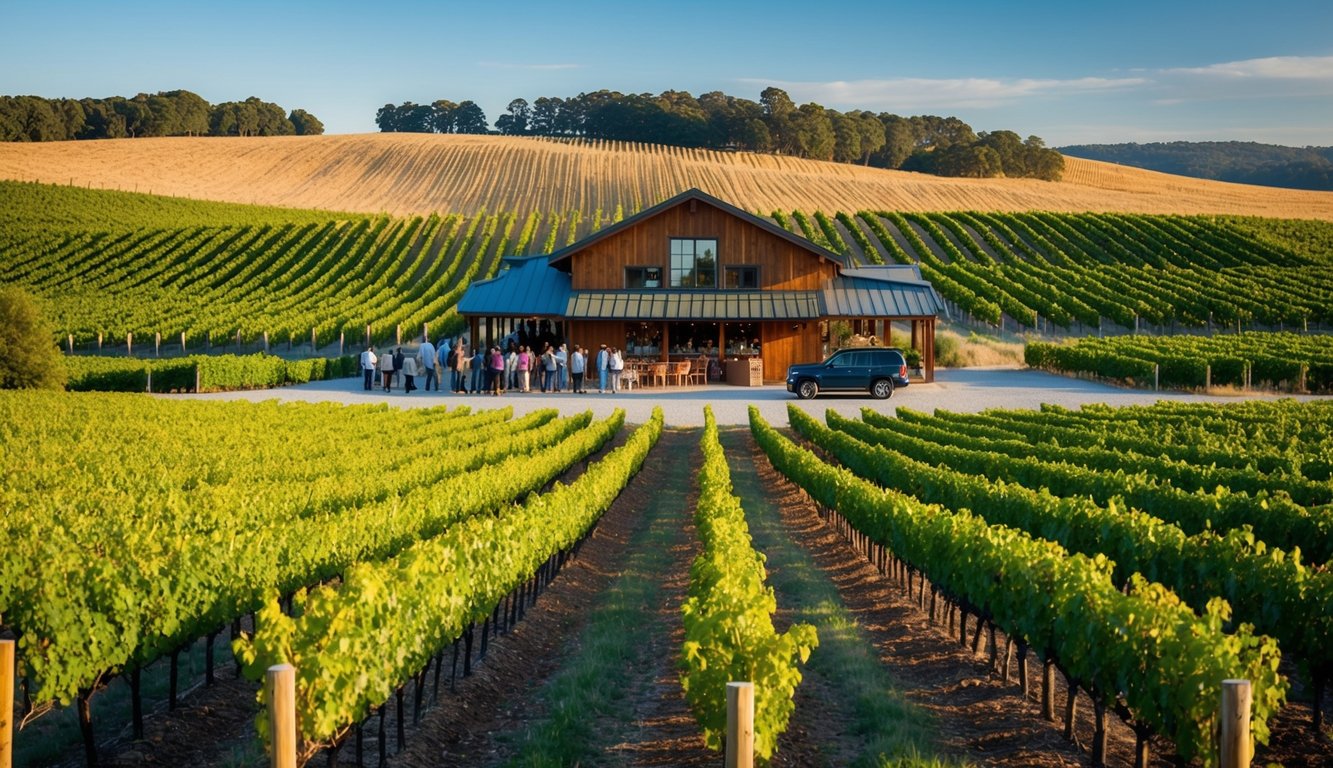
point(514, 122)
point(813, 128)
point(443, 115)
point(387, 118)
point(469, 118)
point(779, 110)
point(305, 124)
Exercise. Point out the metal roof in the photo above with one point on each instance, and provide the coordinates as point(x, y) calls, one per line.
point(865, 297)
point(694, 305)
point(528, 288)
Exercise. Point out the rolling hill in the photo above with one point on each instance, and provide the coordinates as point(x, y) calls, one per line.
point(419, 174)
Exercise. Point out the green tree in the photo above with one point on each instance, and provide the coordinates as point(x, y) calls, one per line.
point(814, 132)
point(469, 118)
point(514, 122)
point(305, 123)
point(29, 357)
point(778, 112)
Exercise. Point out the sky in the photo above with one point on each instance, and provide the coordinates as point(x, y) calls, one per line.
point(1070, 72)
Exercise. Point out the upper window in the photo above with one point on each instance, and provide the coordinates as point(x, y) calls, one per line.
point(643, 277)
point(693, 263)
point(743, 277)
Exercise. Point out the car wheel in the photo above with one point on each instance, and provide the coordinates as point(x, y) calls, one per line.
point(807, 389)
point(882, 389)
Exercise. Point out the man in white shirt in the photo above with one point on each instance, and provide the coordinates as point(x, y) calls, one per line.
point(368, 363)
point(427, 355)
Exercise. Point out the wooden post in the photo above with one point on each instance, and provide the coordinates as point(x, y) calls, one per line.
point(1236, 743)
point(265, 342)
point(313, 343)
point(196, 378)
point(148, 387)
point(367, 334)
point(6, 703)
point(398, 335)
point(740, 725)
point(99, 342)
point(341, 340)
point(182, 342)
point(425, 332)
point(1207, 377)
point(1156, 375)
point(280, 697)
point(157, 344)
point(71, 343)
point(129, 343)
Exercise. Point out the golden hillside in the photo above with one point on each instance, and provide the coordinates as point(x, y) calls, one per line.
point(420, 173)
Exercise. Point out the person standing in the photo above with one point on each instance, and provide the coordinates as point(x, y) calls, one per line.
point(577, 365)
point(426, 358)
point(368, 363)
point(511, 367)
point(561, 368)
point(409, 373)
point(616, 364)
point(442, 357)
point(398, 357)
point(458, 364)
point(548, 368)
point(603, 359)
point(386, 370)
point(478, 369)
point(497, 363)
point(523, 365)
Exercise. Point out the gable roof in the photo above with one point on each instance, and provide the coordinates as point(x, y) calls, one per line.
point(694, 193)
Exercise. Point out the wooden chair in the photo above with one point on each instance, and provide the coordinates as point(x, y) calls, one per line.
point(680, 372)
point(699, 371)
point(657, 372)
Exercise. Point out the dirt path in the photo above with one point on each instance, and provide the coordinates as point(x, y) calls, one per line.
point(973, 716)
point(495, 715)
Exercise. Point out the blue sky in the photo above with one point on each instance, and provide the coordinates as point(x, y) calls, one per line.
point(1070, 72)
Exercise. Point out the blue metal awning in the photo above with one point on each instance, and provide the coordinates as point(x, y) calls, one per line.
point(694, 305)
point(528, 288)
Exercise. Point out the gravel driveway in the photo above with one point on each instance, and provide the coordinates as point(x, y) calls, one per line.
point(963, 389)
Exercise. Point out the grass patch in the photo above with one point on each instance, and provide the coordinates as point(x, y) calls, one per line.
point(894, 732)
point(590, 686)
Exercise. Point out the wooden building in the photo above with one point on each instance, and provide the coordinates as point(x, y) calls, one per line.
point(695, 273)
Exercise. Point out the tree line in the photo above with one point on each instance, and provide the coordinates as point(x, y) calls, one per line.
point(166, 113)
point(1243, 162)
point(945, 146)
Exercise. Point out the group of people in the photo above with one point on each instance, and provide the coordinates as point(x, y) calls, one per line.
point(494, 371)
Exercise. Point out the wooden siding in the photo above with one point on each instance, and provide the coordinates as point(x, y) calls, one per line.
point(783, 346)
point(782, 265)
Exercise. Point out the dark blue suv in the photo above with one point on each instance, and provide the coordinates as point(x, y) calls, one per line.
point(876, 370)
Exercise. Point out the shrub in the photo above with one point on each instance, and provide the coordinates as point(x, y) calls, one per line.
point(29, 357)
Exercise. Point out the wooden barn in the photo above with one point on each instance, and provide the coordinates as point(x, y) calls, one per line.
point(697, 276)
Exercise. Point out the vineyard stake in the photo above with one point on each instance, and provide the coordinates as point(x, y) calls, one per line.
point(6, 703)
point(157, 344)
point(740, 725)
point(129, 343)
point(1236, 746)
point(71, 343)
point(280, 692)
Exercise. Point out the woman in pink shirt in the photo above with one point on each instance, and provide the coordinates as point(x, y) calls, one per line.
point(524, 365)
point(497, 361)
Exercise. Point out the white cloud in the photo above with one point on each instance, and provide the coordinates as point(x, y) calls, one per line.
point(908, 93)
point(1271, 68)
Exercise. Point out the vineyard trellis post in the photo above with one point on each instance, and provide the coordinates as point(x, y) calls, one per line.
point(6, 703)
point(1236, 747)
point(425, 332)
point(70, 341)
point(341, 340)
point(740, 725)
point(157, 344)
point(280, 692)
point(1156, 376)
point(129, 343)
point(99, 342)
point(182, 342)
point(265, 342)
